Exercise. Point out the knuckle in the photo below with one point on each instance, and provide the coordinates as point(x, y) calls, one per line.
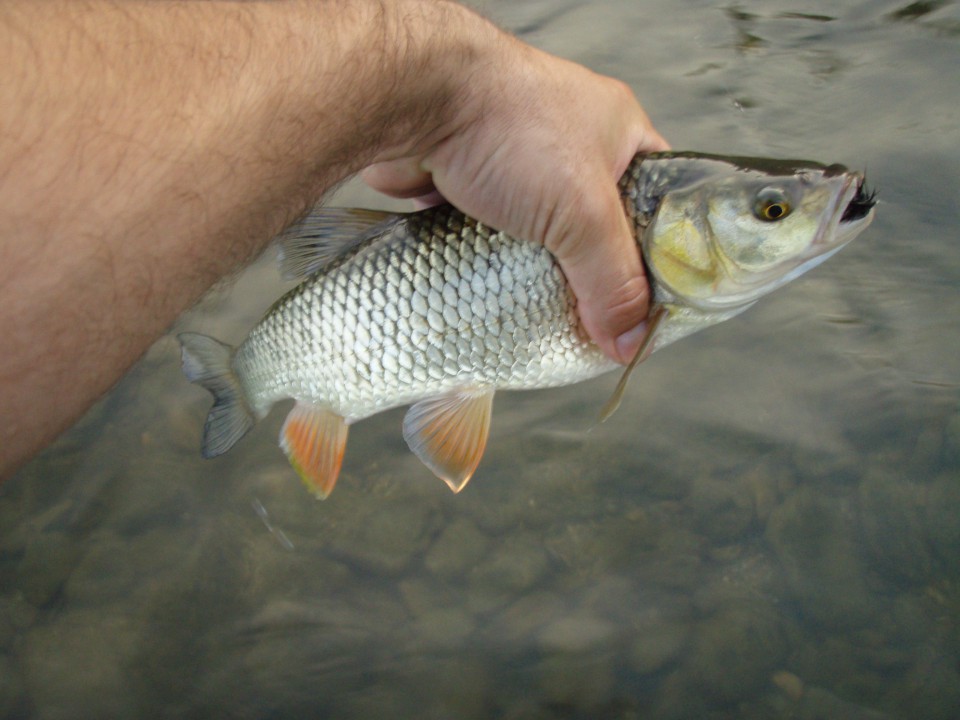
point(626, 305)
point(579, 220)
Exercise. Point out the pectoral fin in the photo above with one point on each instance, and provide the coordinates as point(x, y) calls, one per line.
point(449, 433)
point(646, 347)
point(314, 439)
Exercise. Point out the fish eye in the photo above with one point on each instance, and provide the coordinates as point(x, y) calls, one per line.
point(771, 205)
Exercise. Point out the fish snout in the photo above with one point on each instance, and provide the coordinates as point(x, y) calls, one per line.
point(863, 201)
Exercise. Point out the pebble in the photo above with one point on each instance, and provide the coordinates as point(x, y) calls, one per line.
point(46, 566)
point(814, 537)
point(893, 519)
point(270, 568)
point(940, 521)
point(660, 641)
point(421, 593)
point(13, 697)
point(513, 566)
point(932, 685)
point(379, 700)
point(768, 480)
point(81, 659)
point(16, 616)
point(820, 704)
point(723, 509)
point(789, 684)
point(383, 537)
point(457, 549)
point(443, 627)
point(576, 633)
point(676, 564)
point(517, 623)
point(734, 652)
point(580, 682)
point(110, 566)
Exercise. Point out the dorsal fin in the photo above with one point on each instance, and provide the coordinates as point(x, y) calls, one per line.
point(326, 234)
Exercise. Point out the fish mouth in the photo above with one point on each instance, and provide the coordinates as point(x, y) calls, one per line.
point(860, 205)
point(852, 211)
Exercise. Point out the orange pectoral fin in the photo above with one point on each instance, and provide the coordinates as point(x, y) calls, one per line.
point(449, 433)
point(314, 439)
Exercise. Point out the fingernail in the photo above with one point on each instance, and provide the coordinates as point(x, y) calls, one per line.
point(629, 342)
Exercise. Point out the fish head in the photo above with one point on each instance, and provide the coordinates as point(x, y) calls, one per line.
point(725, 231)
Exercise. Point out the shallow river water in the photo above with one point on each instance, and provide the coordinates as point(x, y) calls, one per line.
point(768, 528)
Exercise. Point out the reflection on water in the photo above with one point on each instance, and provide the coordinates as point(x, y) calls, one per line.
point(769, 527)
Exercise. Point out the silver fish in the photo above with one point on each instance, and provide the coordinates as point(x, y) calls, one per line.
point(437, 310)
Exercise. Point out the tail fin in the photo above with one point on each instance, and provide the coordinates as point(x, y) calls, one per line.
point(207, 362)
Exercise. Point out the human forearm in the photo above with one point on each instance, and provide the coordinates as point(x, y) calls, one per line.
point(146, 149)
point(116, 110)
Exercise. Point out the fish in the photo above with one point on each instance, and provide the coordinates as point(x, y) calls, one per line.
point(437, 310)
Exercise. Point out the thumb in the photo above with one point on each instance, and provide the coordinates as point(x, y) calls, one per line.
point(400, 178)
point(601, 260)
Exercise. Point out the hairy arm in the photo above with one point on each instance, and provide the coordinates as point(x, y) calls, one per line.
point(148, 149)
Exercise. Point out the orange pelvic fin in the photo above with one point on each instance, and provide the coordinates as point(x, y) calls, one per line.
point(449, 433)
point(314, 439)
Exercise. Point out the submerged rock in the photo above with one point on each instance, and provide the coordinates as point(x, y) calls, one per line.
point(659, 642)
point(383, 537)
point(457, 549)
point(443, 627)
point(820, 704)
point(892, 518)
point(723, 509)
point(514, 565)
point(79, 662)
point(13, 696)
point(16, 615)
point(579, 681)
point(577, 633)
point(814, 537)
point(789, 684)
point(735, 652)
point(516, 624)
point(942, 521)
point(46, 566)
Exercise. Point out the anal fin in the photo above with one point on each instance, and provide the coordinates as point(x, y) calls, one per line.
point(314, 439)
point(449, 433)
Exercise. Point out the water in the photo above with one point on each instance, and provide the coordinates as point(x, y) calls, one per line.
point(769, 527)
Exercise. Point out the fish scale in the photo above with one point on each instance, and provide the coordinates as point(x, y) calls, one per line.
point(438, 310)
point(475, 307)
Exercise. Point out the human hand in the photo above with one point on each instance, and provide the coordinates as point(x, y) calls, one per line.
point(536, 151)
